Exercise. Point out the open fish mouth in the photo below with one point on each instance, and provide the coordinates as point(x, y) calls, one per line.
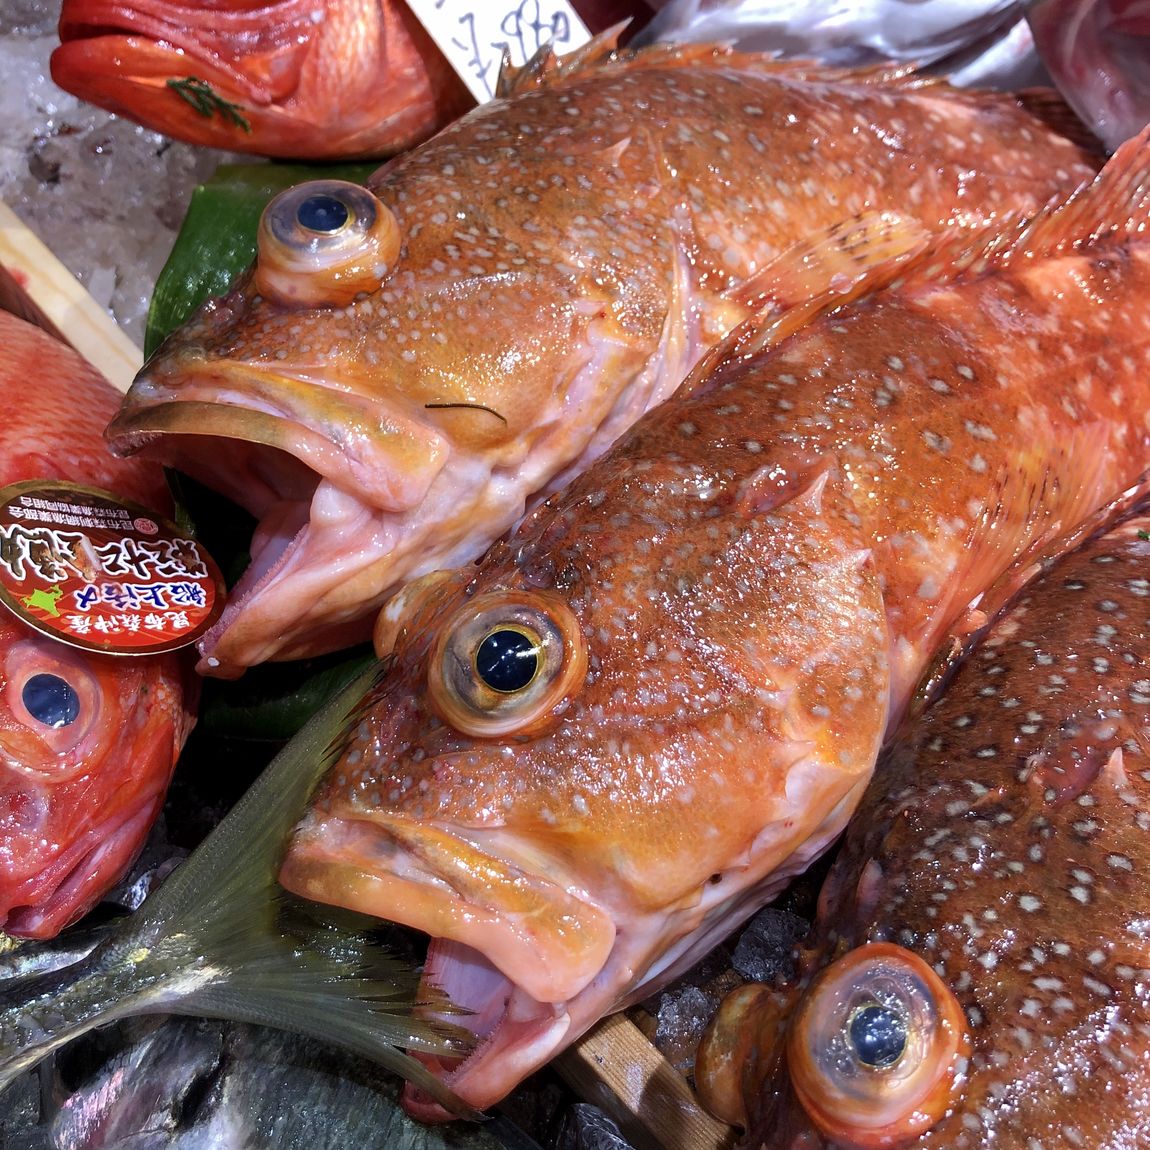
point(522, 955)
point(389, 457)
point(338, 500)
point(42, 905)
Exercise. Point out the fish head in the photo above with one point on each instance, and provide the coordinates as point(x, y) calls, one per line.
point(87, 747)
point(597, 751)
point(391, 392)
point(337, 80)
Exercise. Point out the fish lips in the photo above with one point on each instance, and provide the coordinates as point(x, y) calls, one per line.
point(106, 45)
point(546, 940)
point(387, 457)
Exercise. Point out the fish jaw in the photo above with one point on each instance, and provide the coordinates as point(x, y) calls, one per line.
point(358, 492)
point(532, 961)
point(364, 81)
point(65, 890)
point(557, 940)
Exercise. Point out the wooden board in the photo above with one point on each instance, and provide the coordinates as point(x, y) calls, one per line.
point(36, 285)
point(615, 1067)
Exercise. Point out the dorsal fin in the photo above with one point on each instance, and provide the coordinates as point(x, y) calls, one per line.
point(880, 250)
point(546, 65)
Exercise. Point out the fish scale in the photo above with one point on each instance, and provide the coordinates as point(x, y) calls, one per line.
point(727, 613)
point(1002, 840)
point(560, 259)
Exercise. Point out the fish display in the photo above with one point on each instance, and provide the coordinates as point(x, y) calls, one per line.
point(597, 750)
point(407, 365)
point(975, 977)
point(363, 80)
point(88, 741)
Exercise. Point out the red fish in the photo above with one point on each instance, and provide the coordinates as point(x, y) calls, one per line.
point(975, 977)
point(408, 366)
point(362, 80)
point(603, 746)
point(87, 741)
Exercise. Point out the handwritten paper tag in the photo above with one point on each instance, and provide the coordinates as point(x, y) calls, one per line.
point(473, 34)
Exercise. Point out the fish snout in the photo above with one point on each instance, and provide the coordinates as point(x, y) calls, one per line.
point(540, 935)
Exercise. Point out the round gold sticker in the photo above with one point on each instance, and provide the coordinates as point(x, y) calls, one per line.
point(98, 572)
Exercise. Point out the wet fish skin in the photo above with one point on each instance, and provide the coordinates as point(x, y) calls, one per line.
point(362, 80)
point(565, 256)
point(1001, 841)
point(754, 579)
point(76, 801)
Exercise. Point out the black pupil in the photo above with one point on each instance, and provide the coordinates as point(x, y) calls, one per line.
point(507, 660)
point(51, 700)
point(878, 1035)
point(322, 213)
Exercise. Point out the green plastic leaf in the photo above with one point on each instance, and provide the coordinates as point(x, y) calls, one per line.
point(274, 700)
point(218, 238)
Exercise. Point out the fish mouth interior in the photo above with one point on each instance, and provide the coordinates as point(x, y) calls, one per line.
point(513, 1033)
point(76, 879)
point(277, 489)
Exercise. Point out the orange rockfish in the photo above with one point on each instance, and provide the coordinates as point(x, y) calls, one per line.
point(305, 79)
point(87, 741)
point(408, 365)
point(976, 973)
point(618, 734)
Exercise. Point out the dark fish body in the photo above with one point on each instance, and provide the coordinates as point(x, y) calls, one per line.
point(205, 1084)
point(722, 616)
point(1004, 841)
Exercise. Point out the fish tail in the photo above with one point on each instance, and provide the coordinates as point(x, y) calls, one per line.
point(221, 939)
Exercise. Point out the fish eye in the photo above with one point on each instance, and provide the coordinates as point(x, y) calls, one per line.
point(504, 663)
point(507, 659)
point(322, 243)
point(322, 213)
point(54, 702)
point(51, 700)
point(878, 1034)
point(878, 1048)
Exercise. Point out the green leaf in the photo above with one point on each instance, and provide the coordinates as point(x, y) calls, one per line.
point(273, 700)
point(218, 238)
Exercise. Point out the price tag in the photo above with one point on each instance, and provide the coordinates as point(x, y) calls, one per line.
point(95, 571)
point(473, 34)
